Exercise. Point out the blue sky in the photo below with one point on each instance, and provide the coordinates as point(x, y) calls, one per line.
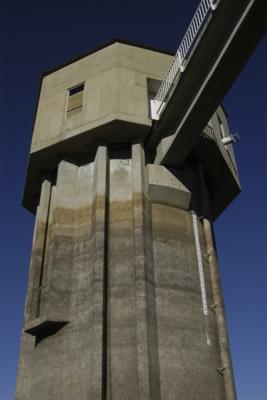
point(37, 36)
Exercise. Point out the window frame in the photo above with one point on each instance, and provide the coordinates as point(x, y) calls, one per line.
point(69, 94)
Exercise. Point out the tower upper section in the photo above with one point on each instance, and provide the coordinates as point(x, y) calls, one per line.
point(103, 87)
point(99, 98)
point(103, 98)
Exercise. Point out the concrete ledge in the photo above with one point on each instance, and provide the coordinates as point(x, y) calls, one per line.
point(79, 150)
point(40, 326)
point(164, 187)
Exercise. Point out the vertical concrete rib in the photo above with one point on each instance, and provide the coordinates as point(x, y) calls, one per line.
point(38, 253)
point(138, 178)
point(100, 215)
point(60, 245)
point(47, 272)
point(43, 265)
point(122, 286)
point(146, 316)
point(24, 379)
point(226, 368)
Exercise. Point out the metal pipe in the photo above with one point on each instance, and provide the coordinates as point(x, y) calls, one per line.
point(226, 368)
point(201, 277)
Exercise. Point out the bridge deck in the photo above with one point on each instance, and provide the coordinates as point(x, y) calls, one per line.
point(225, 46)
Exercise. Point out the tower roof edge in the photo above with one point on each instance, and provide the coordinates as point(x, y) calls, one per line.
point(106, 44)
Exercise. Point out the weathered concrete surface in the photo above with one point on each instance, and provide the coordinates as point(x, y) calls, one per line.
point(68, 363)
point(120, 270)
point(187, 362)
point(163, 187)
point(115, 99)
point(115, 88)
point(115, 305)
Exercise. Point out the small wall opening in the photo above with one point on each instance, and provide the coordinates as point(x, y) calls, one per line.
point(152, 89)
point(75, 99)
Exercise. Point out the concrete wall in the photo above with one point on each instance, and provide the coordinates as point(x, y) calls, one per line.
point(187, 339)
point(115, 87)
point(120, 313)
point(66, 360)
point(121, 302)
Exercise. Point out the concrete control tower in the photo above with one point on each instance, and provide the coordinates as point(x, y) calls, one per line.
point(124, 298)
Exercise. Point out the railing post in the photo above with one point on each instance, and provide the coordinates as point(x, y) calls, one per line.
point(212, 5)
point(180, 60)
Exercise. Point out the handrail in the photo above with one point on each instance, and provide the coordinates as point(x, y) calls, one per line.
point(205, 8)
point(208, 132)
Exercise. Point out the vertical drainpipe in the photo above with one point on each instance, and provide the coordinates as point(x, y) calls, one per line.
point(226, 368)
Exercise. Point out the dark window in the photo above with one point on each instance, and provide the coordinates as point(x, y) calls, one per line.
point(75, 99)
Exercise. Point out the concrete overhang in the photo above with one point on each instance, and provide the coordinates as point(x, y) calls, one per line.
point(223, 185)
point(114, 108)
point(79, 149)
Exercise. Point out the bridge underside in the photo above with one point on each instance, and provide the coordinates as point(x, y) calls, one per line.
point(225, 46)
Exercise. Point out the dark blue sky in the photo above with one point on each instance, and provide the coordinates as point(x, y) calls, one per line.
point(36, 36)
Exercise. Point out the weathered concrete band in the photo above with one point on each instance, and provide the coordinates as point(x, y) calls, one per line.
point(120, 266)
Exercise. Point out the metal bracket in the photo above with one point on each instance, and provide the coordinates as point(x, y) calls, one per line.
point(220, 370)
point(213, 307)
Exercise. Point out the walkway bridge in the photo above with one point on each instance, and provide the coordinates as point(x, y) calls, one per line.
point(215, 48)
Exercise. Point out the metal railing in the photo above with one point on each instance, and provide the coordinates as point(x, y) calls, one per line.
point(205, 8)
point(208, 132)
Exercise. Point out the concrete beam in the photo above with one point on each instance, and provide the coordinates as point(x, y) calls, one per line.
point(165, 188)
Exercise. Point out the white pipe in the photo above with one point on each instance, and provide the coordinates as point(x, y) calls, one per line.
point(201, 276)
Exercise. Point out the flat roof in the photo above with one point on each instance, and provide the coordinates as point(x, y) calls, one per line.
point(106, 44)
